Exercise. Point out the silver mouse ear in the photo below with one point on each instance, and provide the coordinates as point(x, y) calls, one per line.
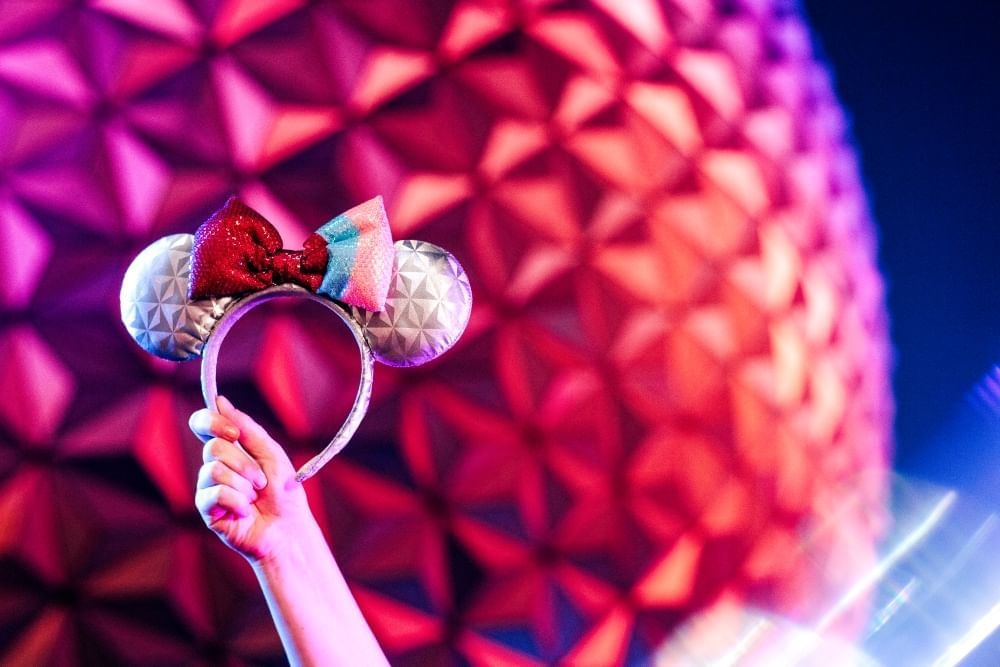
point(155, 305)
point(427, 309)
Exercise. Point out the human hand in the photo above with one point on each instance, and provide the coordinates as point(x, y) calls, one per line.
point(247, 492)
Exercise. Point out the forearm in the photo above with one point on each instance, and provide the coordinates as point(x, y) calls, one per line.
point(313, 609)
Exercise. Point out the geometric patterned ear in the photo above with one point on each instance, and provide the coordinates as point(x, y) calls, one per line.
point(154, 301)
point(428, 306)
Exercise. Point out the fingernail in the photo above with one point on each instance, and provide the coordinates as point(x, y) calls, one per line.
point(223, 403)
point(232, 433)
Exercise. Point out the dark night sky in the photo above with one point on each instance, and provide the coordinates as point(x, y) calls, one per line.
point(920, 82)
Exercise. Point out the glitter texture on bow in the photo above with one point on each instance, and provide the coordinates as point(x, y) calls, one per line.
point(237, 251)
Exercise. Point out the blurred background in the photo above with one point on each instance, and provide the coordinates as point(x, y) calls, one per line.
point(668, 432)
point(916, 83)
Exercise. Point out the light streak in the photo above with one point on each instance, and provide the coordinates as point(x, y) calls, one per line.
point(870, 578)
point(889, 610)
point(976, 635)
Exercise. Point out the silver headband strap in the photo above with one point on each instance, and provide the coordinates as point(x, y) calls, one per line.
point(210, 356)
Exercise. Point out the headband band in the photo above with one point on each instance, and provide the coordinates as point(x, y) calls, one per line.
point(210, 358)
point(404, 303)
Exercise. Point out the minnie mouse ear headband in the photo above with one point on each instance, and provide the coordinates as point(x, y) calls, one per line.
point(405, 303)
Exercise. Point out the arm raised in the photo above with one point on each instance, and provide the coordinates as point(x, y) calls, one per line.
point(247, 495)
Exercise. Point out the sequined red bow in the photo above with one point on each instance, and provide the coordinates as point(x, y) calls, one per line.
point(238, 251)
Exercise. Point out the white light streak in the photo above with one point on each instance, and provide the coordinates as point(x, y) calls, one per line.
point(870, 578)
point(976, 635)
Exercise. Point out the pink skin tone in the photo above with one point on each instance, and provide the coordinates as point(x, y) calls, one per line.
point(248, 496)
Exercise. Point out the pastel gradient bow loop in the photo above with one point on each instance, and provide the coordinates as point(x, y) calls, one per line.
point(237, 251)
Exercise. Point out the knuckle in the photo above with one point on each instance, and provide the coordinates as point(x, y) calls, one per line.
point(221, 496)
point(216, 471)
point(204, 476)
point(215, 448)
point(206, 499)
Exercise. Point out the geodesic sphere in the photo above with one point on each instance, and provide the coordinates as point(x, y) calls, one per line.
point(673, 389)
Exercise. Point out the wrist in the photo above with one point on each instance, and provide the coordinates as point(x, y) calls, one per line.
point(291, 544)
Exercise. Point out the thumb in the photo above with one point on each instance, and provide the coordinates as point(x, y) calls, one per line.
point(253, 437)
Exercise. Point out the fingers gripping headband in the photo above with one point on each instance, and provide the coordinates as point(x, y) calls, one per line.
point(210, 358)
point(404, 303)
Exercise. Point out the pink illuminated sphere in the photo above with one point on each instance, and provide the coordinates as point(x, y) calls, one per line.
point(673, 391)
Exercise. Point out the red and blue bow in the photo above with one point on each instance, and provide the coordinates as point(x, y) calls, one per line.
point(237, 251)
